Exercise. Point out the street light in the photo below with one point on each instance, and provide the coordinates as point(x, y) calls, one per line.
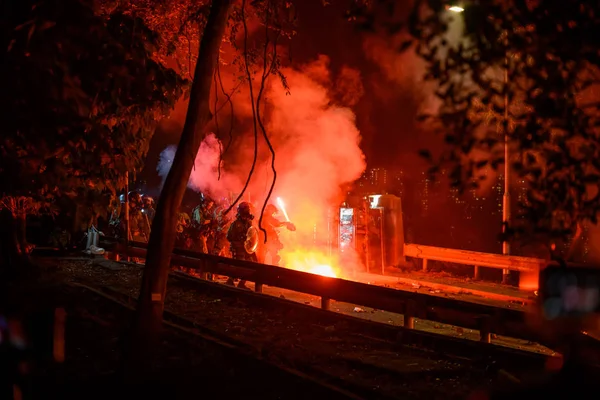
point(506, 197)
point(456, 9)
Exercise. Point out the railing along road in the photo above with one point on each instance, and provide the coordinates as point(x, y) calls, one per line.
point(474, 258)
point(485, 318)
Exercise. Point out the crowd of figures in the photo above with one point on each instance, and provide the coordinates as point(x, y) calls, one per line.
point(208, 230)
point(141, 214)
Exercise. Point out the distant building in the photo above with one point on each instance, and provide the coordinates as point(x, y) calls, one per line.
point(521, 192)
point(397, 182)
point(374, 180)
point(378, 177)
point(498, 194)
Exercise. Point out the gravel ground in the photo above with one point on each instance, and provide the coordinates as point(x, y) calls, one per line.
point(296, 340)
point(188, 366)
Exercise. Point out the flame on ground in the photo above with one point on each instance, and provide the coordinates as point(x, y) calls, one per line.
point(325, 270)
point(311, 261)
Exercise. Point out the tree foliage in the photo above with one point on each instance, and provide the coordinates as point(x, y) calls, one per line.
point(81, 97)
point(256, 29)
point(549, 52)
point(178, 24)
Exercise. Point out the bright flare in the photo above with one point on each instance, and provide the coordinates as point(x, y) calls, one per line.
point(324, 270)
point(282, 206)
point(313, 262)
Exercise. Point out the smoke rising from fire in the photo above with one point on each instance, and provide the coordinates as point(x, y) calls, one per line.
point(316, 144)
point(205, 175)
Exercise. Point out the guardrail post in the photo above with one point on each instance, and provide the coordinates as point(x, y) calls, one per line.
point(485, 328)
point(324, 303)
point(476, 272)
point(258, 287)
point(424, 265)
point(409, 314)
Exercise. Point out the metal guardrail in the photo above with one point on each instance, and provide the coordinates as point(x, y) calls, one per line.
point(474, 258)
point(485, 318)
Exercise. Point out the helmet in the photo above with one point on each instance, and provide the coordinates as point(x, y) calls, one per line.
point(244, 210)
point(183, 218)
point(122, 199)
point(270, 209)
point(134, 197)
point(147, 200)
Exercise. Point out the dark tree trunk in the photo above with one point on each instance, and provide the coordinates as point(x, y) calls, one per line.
point(14, 252)
point(148, 318)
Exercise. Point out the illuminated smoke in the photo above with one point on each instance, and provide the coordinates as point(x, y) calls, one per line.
point(316, 143)
point(317, 146)
point(165, 161)
point(205, 174)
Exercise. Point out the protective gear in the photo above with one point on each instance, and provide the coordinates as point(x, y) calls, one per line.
point(138, 223)
point(237, 236)
point(273, 244)
point(251, 242)
point(183, 221)
point(183, 238)
point(219, 244)
point(224, 202)
point(204, 223)
point(244, 210)
point(271, 209)
point(147, 201)
point(117, 218)
point(238, 233)
point(122, 198)
point(148, 212)
point(135, 199)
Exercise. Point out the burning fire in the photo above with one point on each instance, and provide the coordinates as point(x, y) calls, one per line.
point(313, 262)
point(325, 270)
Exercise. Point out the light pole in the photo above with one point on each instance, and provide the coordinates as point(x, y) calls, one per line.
point(506, 197)
point(505, 123)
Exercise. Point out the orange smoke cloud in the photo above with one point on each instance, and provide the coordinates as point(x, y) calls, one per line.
point(317, 149)
point(316, 144)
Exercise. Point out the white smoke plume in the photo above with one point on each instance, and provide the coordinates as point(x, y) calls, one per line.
point(205, 174)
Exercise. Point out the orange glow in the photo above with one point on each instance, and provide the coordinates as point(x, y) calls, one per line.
point(529, 281)
point(313, 262)
point(325, 270)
